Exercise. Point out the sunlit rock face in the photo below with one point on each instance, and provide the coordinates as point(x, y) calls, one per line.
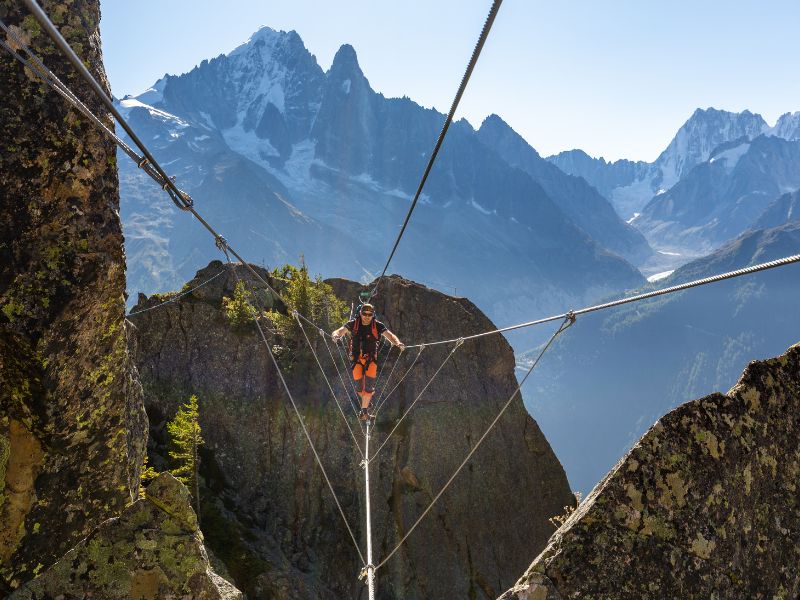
point(154, 549)
point(706, 505)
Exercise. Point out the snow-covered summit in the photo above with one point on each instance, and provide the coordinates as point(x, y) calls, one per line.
point(787, 126)
point(704, 131)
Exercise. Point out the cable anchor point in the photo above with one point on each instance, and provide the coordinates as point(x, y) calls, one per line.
point(571, 316)
point(365, 572)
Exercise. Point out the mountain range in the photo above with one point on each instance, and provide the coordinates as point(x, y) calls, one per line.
point(290, 160)
point(614, 373)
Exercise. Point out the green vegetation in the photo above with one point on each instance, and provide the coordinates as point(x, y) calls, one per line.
point(185, 438)
point(312, 298)
point(239, 310)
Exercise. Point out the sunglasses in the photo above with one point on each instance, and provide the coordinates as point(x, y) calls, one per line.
point(366, 314)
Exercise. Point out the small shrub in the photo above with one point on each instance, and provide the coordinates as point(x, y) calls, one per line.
point(559, 520)
point(239, 310)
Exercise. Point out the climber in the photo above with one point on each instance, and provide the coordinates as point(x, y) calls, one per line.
point(365, 332)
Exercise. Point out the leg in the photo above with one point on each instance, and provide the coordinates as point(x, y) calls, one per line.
point(360, 379)
point(370, 378)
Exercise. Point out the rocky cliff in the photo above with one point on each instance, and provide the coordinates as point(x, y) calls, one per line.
point(72, 424)
point(266, 511)
point(706, 505)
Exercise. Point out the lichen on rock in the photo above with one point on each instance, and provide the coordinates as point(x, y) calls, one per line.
point(706, 505)
point(153, 550)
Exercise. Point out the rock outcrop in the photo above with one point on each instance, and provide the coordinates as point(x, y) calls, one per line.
point(706, 505)
point(266, 511)
point(154, 549)
point(72, 424)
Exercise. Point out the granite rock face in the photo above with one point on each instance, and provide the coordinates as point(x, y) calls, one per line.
point(154, 549)
point(72, 424)
point(266, 510)
point(706, 505)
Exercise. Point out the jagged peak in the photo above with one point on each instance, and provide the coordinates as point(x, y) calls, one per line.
point(345, 63)
point(268, 38)
point(494, 120)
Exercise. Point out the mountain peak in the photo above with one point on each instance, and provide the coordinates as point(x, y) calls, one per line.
point(345, 59)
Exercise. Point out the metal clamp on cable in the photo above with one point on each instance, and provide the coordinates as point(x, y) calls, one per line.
point(142, 162)
point(165, 185)
point(221, 243)
point(295, 314)
point(365, 572)
point(459, 341)
point(187, 199)
point(363, 464)
point(571, 316)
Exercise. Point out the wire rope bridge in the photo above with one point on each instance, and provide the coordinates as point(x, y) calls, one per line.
point(145, 160)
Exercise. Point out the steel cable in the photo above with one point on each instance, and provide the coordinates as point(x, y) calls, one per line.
point(408, 410)
point(330, 387)
point(669, 290)
point(566, 324)
point(382, 400)
point(487, 26)
point(300, 418)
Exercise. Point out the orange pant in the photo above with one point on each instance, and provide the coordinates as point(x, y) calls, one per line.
point(364, 375)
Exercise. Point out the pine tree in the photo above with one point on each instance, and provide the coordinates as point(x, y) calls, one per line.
point(186, 437)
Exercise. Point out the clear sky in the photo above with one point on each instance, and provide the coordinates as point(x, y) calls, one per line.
point(616, 78)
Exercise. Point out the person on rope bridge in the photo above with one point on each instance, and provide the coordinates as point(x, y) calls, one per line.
point(365, 331)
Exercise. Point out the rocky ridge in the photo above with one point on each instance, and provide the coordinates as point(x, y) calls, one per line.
point(265, 505)
point(704, 506)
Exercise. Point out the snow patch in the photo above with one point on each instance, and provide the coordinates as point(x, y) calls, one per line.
point(346, 86)
point(732, 156)
point(478, 207)
point(249, 144)
point(153, 94)
point(659, 276)
point(633, 218)
point(130, 103)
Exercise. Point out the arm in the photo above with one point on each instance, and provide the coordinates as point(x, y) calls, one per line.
point(339, 332)
point(394, 339)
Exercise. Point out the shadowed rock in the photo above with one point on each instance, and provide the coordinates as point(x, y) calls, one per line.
point(266, 504)
point(706, 505)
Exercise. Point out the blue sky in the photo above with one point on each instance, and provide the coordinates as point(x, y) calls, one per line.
point(615, 78)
